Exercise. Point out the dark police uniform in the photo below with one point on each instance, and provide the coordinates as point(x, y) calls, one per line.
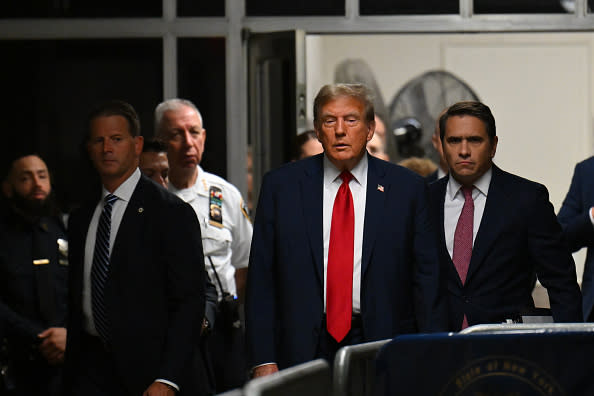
point(33, 295)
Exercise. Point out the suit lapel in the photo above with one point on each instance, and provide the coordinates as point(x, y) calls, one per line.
point(130, 225)
point(79, 232)
point(377, 191)
point(491, 223)
point(312, 184)
point(440, 197)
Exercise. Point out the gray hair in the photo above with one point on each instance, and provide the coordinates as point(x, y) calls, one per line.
point(172, 105)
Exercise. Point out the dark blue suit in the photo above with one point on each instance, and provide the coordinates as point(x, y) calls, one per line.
point(518, 238)
point(400, 275)
point(577, 227)
point(433, 176)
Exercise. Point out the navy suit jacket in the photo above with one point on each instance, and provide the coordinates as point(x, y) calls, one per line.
point(432, 177)
point(154, 294)
point(400, 274)
point(519, 237)
point(577, 228)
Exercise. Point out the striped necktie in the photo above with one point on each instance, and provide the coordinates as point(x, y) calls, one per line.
point(100, 269)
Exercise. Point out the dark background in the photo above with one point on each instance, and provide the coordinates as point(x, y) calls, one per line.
point(49, 87)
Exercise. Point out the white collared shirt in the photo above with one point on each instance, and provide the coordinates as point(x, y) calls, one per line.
point(227, 244)
point(440, 173)
point(124, 193)
point(358, 187)
point(454, 201)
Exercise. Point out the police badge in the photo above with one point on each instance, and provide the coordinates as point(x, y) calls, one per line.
point(62, 252)
point(215, 213)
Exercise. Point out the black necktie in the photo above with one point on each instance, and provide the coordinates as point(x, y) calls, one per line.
point(100, 269)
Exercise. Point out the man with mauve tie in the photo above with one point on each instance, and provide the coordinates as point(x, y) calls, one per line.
point(498, 231)
point(343, 250)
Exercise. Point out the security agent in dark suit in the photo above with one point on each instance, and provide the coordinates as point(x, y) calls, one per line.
point(577, 219)
point(154, 164)
point(33, 281)
point(134, 326)
point(497, 230)
point(392, 277)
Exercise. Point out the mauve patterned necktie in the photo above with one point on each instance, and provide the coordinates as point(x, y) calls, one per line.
point(463, 239)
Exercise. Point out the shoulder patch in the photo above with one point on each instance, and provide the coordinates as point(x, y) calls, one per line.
point(245, 211)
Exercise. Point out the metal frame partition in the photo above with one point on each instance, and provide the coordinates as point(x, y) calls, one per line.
point(170, 27)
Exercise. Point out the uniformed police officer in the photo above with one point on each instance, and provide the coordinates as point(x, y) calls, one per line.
point(33, 279)
point(225, 226)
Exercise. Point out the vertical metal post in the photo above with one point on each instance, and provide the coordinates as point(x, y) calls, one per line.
point(466, 8)
point(581, 8)
point(351, 9)
point(169, 52)
point(236, 96)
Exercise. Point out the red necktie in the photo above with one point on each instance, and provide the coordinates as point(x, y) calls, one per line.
point(339, 284)
point(463, 239)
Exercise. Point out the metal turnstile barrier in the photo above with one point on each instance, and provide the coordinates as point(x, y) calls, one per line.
point(309, 379)
point(529, 328)
point(354, 369)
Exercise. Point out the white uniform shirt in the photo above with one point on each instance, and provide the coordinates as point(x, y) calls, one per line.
point(358, 187)
point(228, 245)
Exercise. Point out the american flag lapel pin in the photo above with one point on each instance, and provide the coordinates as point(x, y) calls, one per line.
point(380, 188)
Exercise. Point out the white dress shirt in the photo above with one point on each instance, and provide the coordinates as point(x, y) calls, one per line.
point(454, 201)
point(124, 193)
point(226, 244)
point(358, 187)
point(440, 173)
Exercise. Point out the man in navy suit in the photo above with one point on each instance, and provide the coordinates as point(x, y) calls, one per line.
point(497, 230)
point(577, 219)
point(134, 327)
point(388, 271)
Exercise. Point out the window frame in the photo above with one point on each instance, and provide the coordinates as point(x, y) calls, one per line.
point(235, 26)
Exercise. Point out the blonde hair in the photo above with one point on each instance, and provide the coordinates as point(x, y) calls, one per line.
point(422, 166)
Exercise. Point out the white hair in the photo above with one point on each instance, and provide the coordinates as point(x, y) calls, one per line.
point(172, 105)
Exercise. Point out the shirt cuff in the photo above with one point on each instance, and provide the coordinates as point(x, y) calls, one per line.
point(590, 215)
point(263, 364)
point(163, 381)
point(259, 365)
